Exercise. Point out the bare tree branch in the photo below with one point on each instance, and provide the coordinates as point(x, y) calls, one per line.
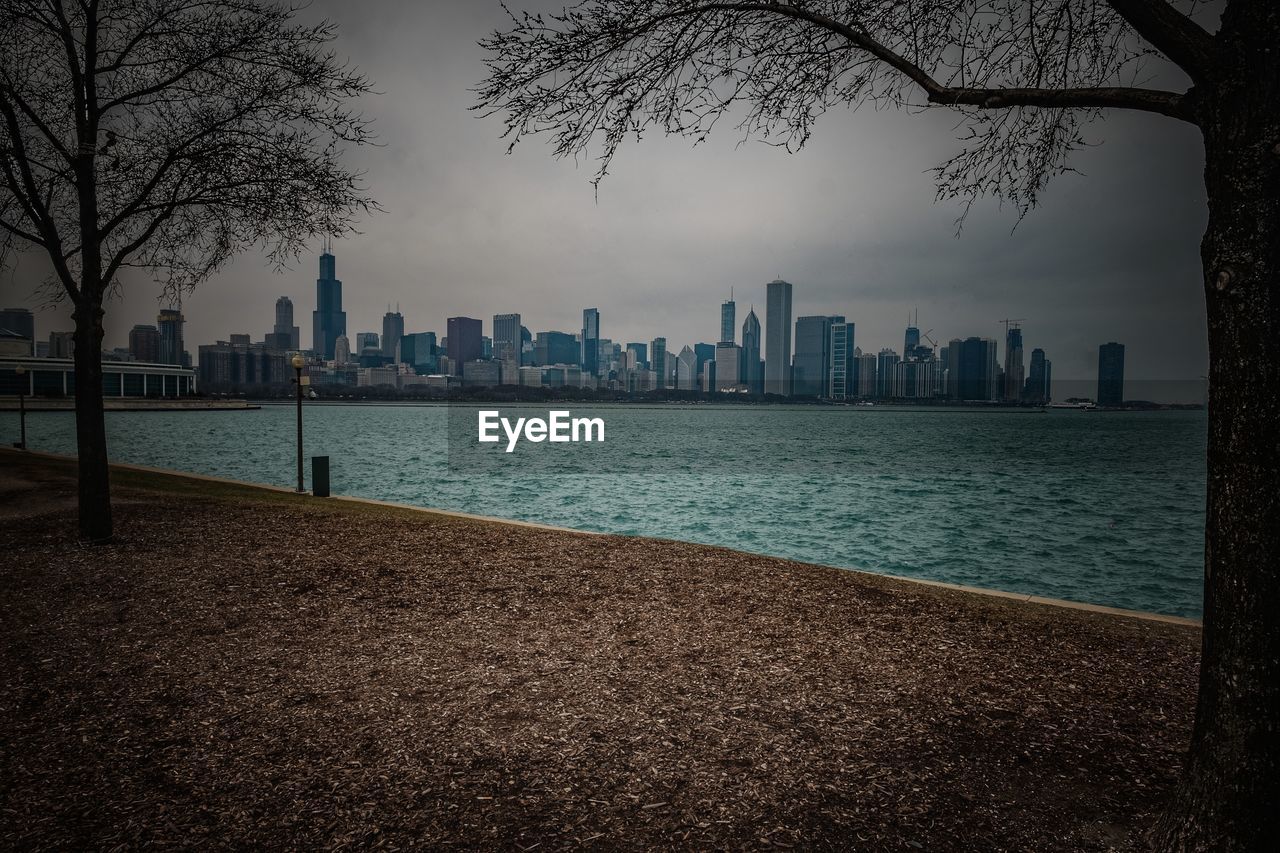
point(603, 71)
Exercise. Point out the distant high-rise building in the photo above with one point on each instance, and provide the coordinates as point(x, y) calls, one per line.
point(169, 323)
point(392, 332)
point(284, 324)
point(555, 348)
point(751, 371)
point(341, 351)
point(1039, 379)
point(590, 341)
point(507, 345)
point(658, 360)
point(366, 340)
point(526, 346)
point(866, 371)
point(328, 320)
point(1013, 370)
point(728, 363)
point(728, 315)
point(144, 343)
point(911, 340)
point(687, 369)
point(886, 361)
point(1111, 374)
point(777, 346)
point(465, 344)
point(419, 351)
point(642, 354)
point(21, 322)
point(971, 369)
point(705, 353)
point(811, 366)
point(842, 383)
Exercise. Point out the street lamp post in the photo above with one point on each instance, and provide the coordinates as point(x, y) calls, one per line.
point(22, 405)
point(297, 368)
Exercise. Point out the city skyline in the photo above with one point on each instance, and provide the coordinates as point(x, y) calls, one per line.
point(675, 228)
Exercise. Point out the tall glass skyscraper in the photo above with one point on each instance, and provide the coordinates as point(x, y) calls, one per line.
point(812, 364)
point(751, 371)
point(1111, 374)
point(728, 313)
point(777, 342)
point(1039, 378)
point(842, 384)
point(591, 341)
point(392, 332)
point(328, 320)
point(1013, 369)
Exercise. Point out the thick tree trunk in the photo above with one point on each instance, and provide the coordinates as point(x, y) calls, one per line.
point(1229, 798)
point(91, 427)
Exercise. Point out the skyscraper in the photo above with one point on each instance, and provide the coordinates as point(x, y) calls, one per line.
point(886, 361)
point(506, 337)
point(866, 370)
point(144, 343)
point(971, 369)
point(169, 323)
point(777, 345)
point(418, 350)
point(1111, 374)
point(842, 384)
point(464, 336)
point(911, 340)
point(341, 351)
point(555, 348)
point(642, 353)
point(728, 362)
point(728, 314)
point(1013, 369)
point(687, 369)
point(284, 323)
point(591, 341)
point(392, 332)
point(751, 372)
point(366, 340)
point(658, 360)
point(1039, 379)
point(812, 364)
point(328, 320)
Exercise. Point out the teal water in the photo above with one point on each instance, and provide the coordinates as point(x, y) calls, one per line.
point(1106, 508)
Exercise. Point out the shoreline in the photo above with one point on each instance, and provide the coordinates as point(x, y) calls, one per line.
point(246, 667)
point(1023, 598)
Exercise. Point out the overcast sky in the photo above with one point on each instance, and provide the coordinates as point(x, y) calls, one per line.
point(1112, 254)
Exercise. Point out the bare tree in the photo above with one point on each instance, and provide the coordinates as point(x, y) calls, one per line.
point(1024, 75)
point(164, 136)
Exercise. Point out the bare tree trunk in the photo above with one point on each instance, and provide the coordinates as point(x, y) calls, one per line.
point(1229, 798)
point(91, 427)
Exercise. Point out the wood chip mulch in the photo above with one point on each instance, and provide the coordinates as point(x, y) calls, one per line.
point(281, 672)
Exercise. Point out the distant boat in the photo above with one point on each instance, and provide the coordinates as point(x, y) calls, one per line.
point(1083, 406)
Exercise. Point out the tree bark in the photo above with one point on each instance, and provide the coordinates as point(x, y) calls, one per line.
point(1229, 797)
point(91, 427)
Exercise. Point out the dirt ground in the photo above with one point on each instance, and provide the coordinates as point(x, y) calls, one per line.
point(254, 669)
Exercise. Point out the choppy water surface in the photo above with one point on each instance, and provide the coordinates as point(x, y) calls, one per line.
point(1106, 508)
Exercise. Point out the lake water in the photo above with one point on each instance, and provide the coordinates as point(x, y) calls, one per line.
point(1106, 508)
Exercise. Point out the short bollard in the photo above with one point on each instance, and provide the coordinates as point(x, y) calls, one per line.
point(320, 476)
